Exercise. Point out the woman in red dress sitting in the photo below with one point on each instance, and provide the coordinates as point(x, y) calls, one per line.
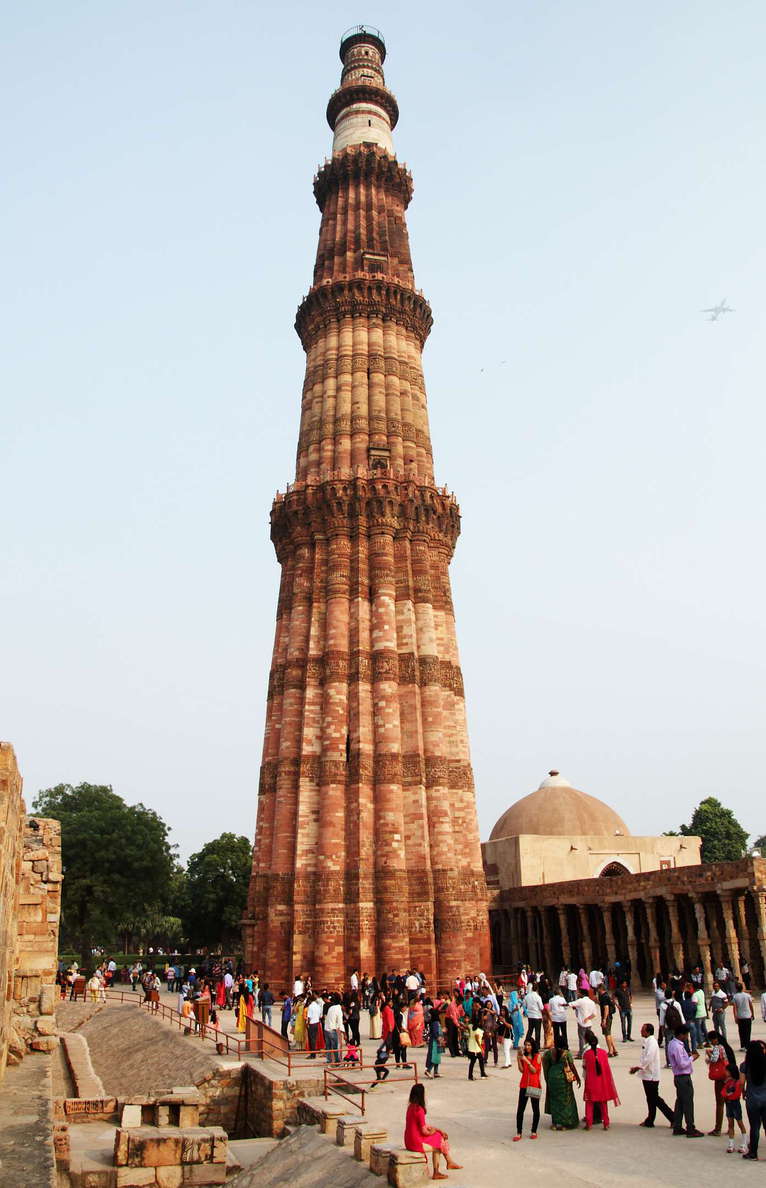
point(420, 1137)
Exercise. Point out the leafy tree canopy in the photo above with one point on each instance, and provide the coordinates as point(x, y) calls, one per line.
point(723, 838)
point(760, 844)
point(215, 895)
point(116, 858)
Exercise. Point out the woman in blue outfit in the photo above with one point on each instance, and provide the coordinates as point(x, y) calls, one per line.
point(517, 1019)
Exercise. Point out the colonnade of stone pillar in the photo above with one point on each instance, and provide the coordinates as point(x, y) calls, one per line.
point(657, 932)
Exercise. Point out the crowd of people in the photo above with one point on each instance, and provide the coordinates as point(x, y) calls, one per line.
point(520, 1023)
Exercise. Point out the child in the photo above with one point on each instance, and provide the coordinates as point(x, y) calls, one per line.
point(352, 1053)
point(381, 1059)
point(732, 1096)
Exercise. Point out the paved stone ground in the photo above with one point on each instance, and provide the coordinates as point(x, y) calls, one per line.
point(480, 1118)
point(26, 1125)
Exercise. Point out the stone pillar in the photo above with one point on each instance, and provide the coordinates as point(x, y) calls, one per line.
point(730, 934)
point(703, 940)
point(759, 899)
point(630, 929)
point(515, 943)
point(587, 952)
point(650, 904)
point(566, 944)
point(548, 947)
point(744, 937)
point(676, 940)
point(611, 948)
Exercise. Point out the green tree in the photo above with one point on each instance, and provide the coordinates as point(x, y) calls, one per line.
point(217, 878)
point(117, 862)
point(723, 838)
point(760, 844)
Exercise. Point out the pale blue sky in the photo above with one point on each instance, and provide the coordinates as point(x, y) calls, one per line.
point(587, 177)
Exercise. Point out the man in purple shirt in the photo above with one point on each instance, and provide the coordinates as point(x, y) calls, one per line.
point(681, 1063)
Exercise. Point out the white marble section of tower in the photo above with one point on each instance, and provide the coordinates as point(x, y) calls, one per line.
point(362, 110)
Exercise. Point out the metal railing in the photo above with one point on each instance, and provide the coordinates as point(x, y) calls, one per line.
point(332, 1079)
point(187, 1023)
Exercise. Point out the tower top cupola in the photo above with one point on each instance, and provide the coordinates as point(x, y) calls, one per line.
point(362, 110)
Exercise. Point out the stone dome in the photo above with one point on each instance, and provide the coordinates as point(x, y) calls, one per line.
point(557, 809)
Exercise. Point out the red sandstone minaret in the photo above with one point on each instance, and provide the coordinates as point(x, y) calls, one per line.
point(367, 845)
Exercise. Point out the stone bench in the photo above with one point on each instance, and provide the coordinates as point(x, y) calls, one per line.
point(346, 1127)
point(365, 1138)
point(407, 1167)
point(380, 1157)
point(329, 1117)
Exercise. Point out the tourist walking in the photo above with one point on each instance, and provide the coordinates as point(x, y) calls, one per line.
point(719, 1000)
point(743, 1013)
point(376, 1006)
point(586, 1013)
point(533, 1007)
point(418, 1136)
point(606, 1006)
point(648, 1069)
point(557, 1008)
point(561, 1076)
point(681, 1063)
point(475, 1038)
point(599, 1083)
point(434, 1054)
point(721, 1064)
point(333, 1030)
point(517, 1017)
point(505, 1035)
point(754, 1080)
point(530, 1067)
point(624, 1000)
point(314, 1019)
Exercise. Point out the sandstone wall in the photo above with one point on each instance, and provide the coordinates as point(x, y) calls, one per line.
point(30, 908)
point(12, 817)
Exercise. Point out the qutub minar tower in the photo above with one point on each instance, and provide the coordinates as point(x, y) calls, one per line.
point(367, 845)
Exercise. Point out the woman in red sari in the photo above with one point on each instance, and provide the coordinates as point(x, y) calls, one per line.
point(386, 1019)
point(420, 1137)
point(416, 1023)
point(599, 1083)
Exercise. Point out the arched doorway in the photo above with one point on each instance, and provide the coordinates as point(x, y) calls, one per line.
point(613, 870)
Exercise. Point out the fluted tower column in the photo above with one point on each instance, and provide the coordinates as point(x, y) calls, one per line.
point(367, 845)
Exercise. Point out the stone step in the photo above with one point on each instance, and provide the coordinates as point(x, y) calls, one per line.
point(306, 1160)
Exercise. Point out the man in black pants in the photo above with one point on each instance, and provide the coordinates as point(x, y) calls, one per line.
point(648, 1070)
point(681, 1062)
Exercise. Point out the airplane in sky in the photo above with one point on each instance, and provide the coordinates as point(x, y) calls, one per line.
point(716, 311)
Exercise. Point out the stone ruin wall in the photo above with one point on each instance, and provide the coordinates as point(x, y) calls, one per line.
point(30, 908)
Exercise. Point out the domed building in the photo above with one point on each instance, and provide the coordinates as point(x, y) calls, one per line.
point(558, 833)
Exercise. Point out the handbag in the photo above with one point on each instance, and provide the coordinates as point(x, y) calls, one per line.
point(718, 1071)
point(731, 1090)
point(569, 1073)
point(404, 1038)
point(533, 1091)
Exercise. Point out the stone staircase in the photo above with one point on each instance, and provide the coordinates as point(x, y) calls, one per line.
point(331, 1147)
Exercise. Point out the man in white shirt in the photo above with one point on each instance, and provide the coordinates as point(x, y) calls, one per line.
point(571, 985)
point(355, 980)
point(586, 1013)
point(648, 1069)
point(557, 1006)
point(596, 979)
point(533, 1005)
point(228, 986)
point(412, 985)
point(314, 1016)
point(333, 1030)
point(298, 987)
